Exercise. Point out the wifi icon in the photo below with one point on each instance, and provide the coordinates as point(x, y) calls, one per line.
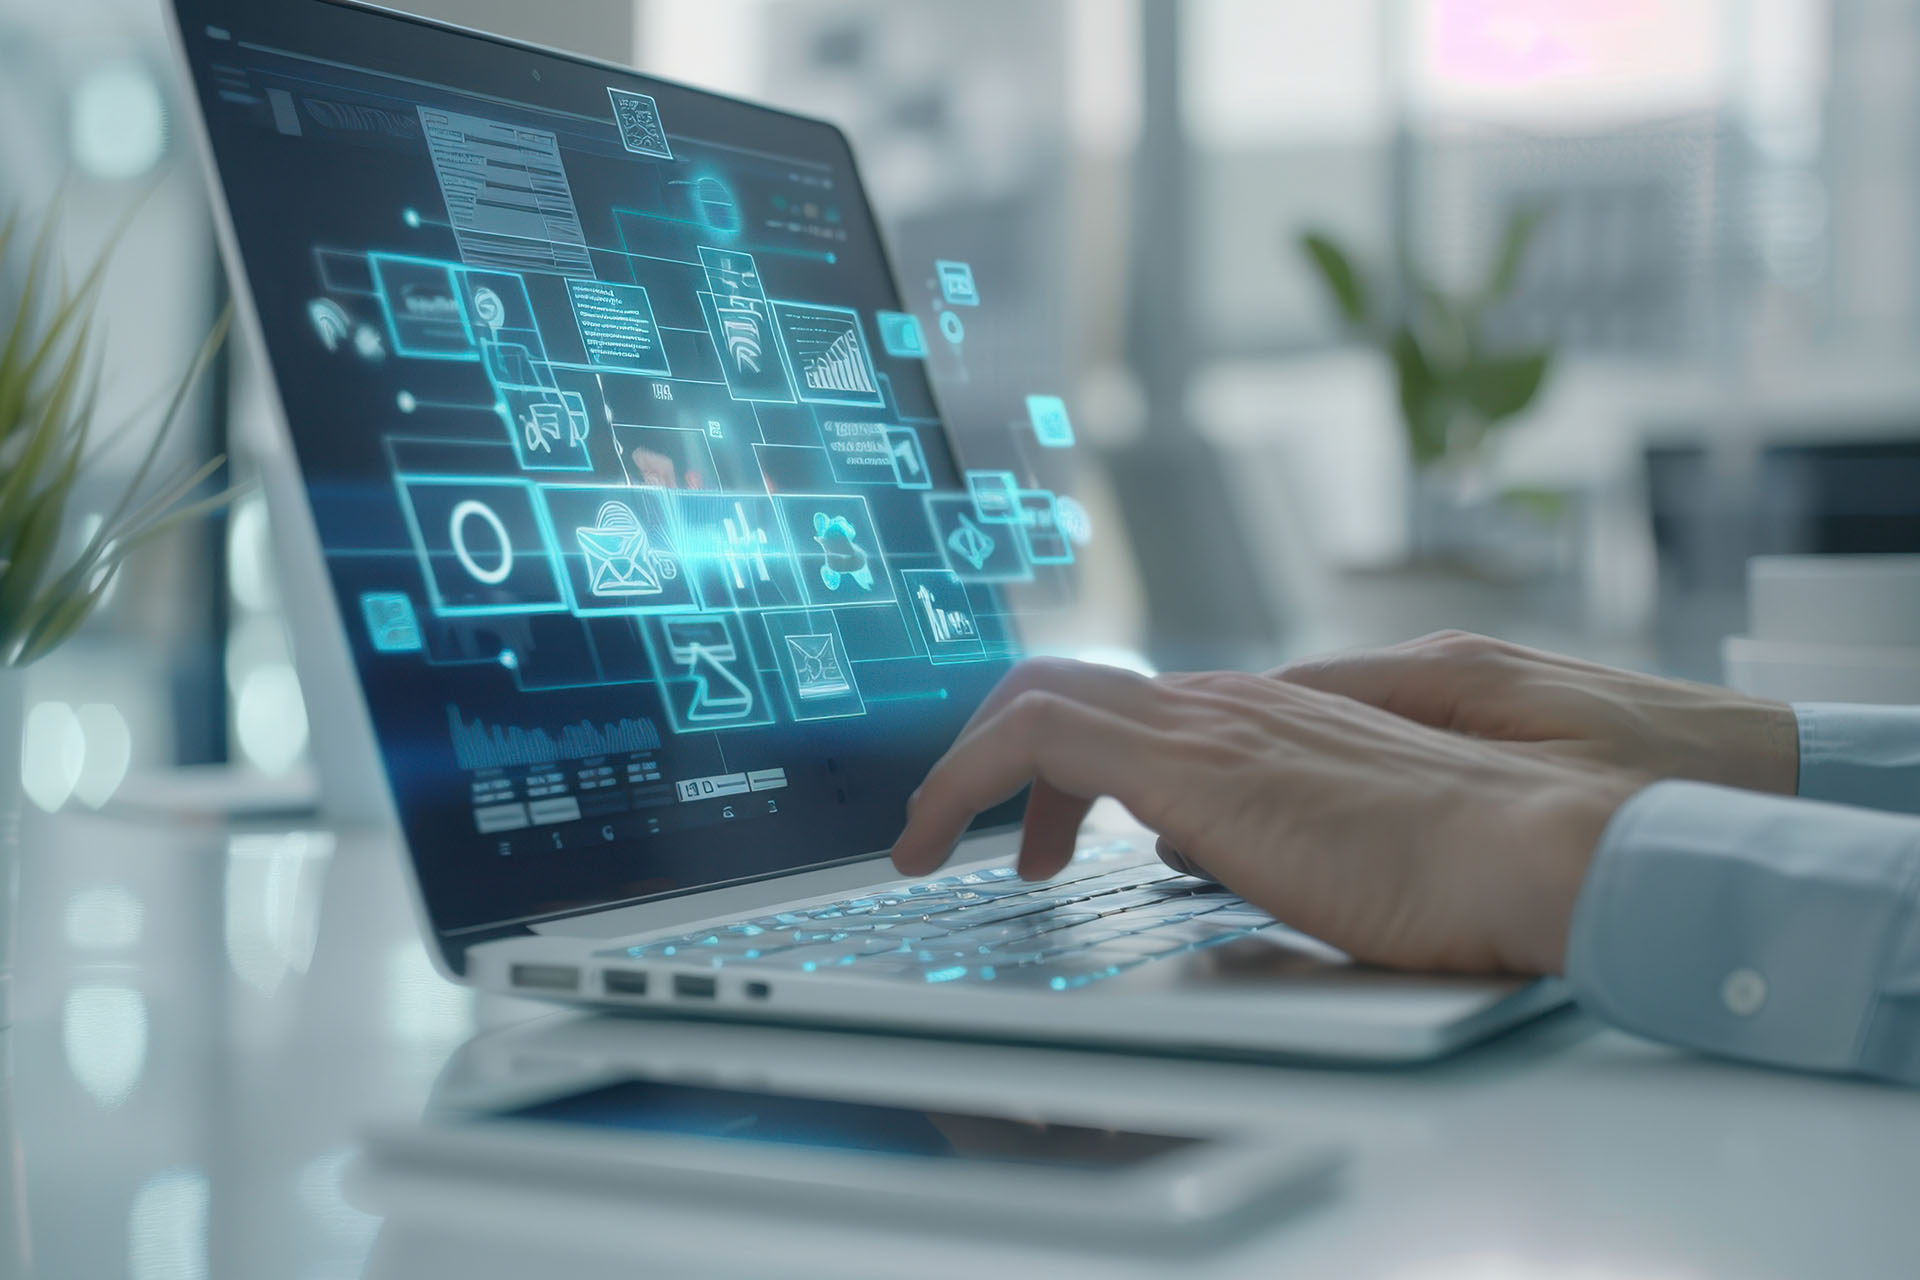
point(330, 322)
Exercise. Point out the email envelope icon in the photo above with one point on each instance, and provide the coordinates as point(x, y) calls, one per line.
point(620, 559)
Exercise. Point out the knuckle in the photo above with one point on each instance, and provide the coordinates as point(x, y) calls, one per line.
point(1033, 672)
point(1464, 645)
point(1031, 709)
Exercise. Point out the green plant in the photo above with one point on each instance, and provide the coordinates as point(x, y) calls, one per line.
point(50, 377)
point(1453, 390)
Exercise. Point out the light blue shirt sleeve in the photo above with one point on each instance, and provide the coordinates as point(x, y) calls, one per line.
point(1867, 756)
point(1784, 931)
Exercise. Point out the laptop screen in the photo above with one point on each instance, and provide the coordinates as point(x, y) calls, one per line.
point(652, 551)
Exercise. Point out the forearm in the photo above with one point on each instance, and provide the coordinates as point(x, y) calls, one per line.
point(1775, 930)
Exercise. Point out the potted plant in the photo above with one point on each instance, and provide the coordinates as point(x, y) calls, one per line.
point(1455, 388)
point(50, 373)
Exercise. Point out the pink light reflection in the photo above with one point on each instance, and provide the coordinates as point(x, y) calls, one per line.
point(1511, 42)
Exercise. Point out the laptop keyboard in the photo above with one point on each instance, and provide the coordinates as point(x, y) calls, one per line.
point(986, 926)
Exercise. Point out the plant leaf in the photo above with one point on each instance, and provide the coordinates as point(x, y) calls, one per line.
point(49, 436)
point(1514, 243)
point(1420, 398)
point(201, 360)
point(1501, 386)
point(65, 616)
point(1348, 287)
point(39, 539)
point(50, 382)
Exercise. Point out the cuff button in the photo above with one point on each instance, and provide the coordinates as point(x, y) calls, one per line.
point(1743, 992)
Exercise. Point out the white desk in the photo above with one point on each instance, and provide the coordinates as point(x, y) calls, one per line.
point(207, 1020)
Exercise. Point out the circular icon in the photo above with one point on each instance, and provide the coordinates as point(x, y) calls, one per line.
point(487, 305)
point(457, 531)
point(1073, 519)
point(950, 327)
point(716, 206)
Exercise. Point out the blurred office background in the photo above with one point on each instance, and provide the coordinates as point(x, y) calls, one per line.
point(1727, 276)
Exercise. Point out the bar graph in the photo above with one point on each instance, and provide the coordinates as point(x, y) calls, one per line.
point(478, 745)
point(840, 367)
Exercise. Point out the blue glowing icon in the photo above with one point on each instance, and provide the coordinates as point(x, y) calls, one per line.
point(1074, 520)
point(706, 671)
point(639, 120)
point(616, 324)
point(858, 451)
point(620, 559)
point(828, 355)
point(900, 334)
point(973, 549)
point(715, 206)
point(971, 543)
point(909, 459)
point(841, 556)
point(481, 545)
point(947, 622)
point(617, 549)
point(734, 546)
point(330, 322)
point(995, 496)
point(1040, 528)
point(391, 624)
point(956, 283)
point(812, 656)
point(424, 316)
point(1051, 426)
point(837, 548)
point(951, 329)
point(489, 308)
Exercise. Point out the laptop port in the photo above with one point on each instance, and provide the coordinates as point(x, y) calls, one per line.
point(757, 990)
point(624, 982)
point(694, 986)
point(545, 977)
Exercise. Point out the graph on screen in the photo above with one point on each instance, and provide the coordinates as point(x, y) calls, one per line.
point(479, 745)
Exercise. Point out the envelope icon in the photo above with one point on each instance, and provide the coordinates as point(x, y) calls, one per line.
point(620, 559)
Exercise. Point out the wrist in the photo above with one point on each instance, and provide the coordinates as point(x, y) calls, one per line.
point(1565, 827)
point(1753, 745)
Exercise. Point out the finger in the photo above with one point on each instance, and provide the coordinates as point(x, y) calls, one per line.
point(1050, 831)
point(1123, 692)
point(1081, 750)
point(1426, 680)
point(1179, 861)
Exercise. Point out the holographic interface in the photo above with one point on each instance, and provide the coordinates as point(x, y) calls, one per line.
point(623, 454)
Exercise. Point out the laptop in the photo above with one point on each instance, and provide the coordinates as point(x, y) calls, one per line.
point(622, 533)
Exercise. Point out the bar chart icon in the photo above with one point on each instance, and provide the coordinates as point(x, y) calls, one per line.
point(828, 354)
point(947, 622)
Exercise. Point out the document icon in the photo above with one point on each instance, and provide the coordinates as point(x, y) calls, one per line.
point(620, 559)
point(817, 671)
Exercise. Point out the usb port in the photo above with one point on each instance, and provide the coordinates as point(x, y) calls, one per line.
point(694, 986)
point(624, 982)
point(546, 977)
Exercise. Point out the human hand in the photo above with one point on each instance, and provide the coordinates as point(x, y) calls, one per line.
point(1505, 692)
point(1398, 843)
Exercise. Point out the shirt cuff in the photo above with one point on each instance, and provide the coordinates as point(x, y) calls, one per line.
point(1861, 755)
point(1749, 925)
